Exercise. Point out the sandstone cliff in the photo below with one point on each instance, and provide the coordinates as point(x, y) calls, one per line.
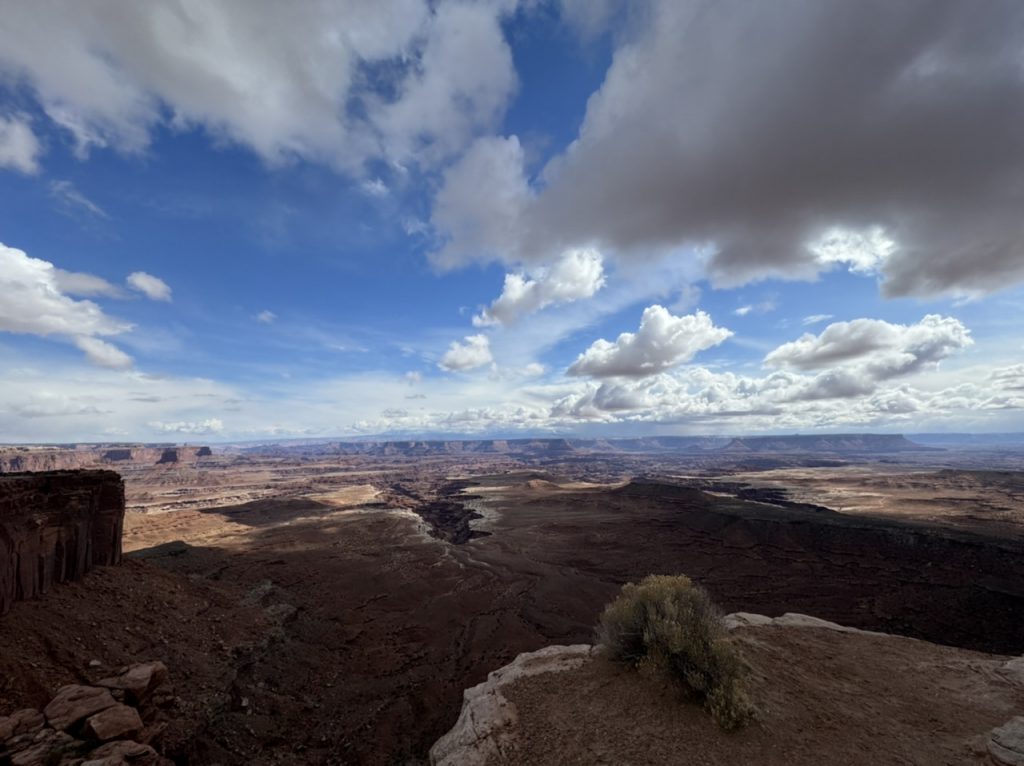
point(56, 527)
point(824, 693)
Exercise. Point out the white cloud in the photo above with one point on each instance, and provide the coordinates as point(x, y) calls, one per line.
point(863, 252)
point(206, 427)
point(19, 147)
point(103, 354)
point(480, 205)
point(576, 275)
point(375, 187)
point(278, 79)
point(807, 321)
point(755, 308)
point(152, 287)
point(73, 200)
point(266, 317)
point(31, 302)
point(663, 341)
point(85, 285)
point(900, 348)
point(473, 352)
point(464, 79)
point(413, 377)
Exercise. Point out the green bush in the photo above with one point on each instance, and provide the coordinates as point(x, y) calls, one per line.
point(670, 625)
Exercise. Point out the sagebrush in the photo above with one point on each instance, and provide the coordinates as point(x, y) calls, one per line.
point(668, 624)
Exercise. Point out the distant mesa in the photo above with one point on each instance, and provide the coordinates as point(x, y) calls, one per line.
point(75, 456)
point(838, 443)
point(547, 447)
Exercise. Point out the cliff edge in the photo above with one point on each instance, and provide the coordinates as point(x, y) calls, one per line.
point(825, 693)
point(56, 526)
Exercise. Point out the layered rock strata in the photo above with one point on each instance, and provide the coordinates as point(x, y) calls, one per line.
point(55, 527)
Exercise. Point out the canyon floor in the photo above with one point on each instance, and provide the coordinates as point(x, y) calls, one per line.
point(332, 609)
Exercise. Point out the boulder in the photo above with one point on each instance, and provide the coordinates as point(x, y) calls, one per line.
point(1006, 743)
point(75, 703)
point(20, 722)
point(137, 681)
point(117, 722)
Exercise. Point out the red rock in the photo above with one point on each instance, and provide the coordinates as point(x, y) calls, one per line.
point(117, 722)
point(75, 703)
point(138, 681)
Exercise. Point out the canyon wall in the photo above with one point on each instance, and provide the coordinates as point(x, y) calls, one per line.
point(56, 526)
point(71, 457)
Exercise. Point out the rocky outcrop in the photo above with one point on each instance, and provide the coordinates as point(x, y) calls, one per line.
point(802, 667)
point(55, 527)
point(89, 726)
point(486, 724)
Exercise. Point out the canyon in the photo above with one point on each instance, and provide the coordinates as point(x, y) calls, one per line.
point(332, 608)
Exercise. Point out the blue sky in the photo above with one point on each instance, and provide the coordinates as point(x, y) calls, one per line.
point(220, 221)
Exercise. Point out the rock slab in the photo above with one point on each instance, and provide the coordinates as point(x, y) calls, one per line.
point(54, 527)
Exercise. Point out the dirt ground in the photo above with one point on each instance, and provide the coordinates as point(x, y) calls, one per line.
point(823, 698)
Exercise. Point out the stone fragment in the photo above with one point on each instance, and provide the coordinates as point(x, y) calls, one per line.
point(75, 703)
point(20, 722)
point(118, 722)
point(138, 681)
point(44, 747)
point(1006, 743)
point(125, 753)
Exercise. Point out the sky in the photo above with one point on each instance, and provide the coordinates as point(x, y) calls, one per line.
point(228, 220)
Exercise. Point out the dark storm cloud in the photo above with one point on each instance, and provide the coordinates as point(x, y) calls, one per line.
point(760, 127)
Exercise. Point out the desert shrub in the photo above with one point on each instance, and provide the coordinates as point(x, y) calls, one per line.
point(669, 625)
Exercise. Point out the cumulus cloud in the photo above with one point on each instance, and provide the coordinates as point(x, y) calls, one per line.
point(911, 346)
point(197, 427)
point(31, 302)
point(576, 275)
point(278, 79)
point(663, 341)
point(856, 356)
point(19, 147)
point(152, 287)
point(473, 352)
point(266, 317)
point(789, 138)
